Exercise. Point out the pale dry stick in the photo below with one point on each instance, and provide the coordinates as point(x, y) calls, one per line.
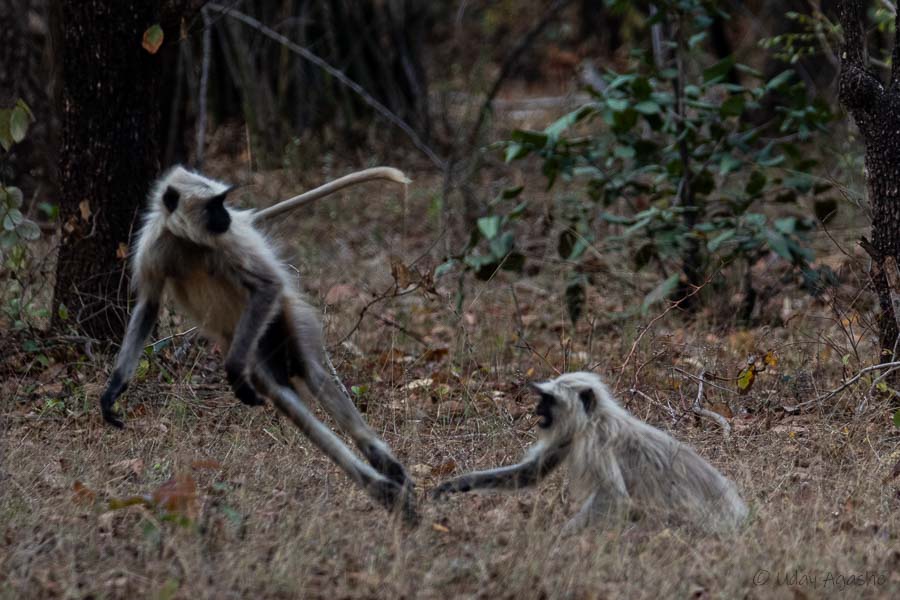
point(698, 409)
point(845, 385)
point(337, 74)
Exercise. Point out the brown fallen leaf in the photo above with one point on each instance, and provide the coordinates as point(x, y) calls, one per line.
point(82, 495)
point(443, 469)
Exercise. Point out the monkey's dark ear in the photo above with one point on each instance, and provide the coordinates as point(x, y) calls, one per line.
point(588, 399)
point(220, 198)
point(170, 199)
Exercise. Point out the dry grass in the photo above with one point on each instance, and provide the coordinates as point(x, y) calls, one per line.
point(274, 518)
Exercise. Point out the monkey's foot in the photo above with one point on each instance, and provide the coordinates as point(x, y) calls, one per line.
point(244, 390)
point(397, 499)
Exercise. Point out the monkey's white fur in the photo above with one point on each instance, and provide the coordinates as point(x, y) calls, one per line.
point(616, 462)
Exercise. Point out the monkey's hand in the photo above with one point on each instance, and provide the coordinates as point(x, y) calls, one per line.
point(241, 386)
point(115, 389)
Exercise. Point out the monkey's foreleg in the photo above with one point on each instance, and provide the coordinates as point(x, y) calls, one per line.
point(339, 405)
point(608, 502)
point(389, 494)
point(539, 463)
point(139, 327)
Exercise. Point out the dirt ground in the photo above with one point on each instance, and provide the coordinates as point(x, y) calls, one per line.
point(242, 506)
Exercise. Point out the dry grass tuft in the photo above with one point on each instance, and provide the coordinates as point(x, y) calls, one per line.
point(272, 518)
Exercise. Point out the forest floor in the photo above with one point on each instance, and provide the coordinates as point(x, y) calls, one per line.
point(255, 511)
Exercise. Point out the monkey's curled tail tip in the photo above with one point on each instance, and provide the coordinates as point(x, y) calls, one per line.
point(396, 175)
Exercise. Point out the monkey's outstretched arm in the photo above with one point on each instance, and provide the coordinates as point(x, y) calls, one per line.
point(331, 187)
point(538, 463)
point(139, 327)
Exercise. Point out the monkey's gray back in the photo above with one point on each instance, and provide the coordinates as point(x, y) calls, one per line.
point(673, 478)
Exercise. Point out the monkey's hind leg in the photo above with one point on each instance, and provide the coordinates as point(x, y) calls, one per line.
point(388, 493)
point(339, 405)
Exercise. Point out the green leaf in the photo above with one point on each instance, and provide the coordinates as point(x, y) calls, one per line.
point(718, 70)
point(696, 39)
point(756, 183)
point(897, 418)
point(28, 230)
point(563, 123)
point(153, 39)
point(6, 139)
point(502, 245)
point(732, 107)
point(63, 312)
point(624, 152)
point(18, 124)
point(534, 138)
point(787, 225)
point(779, 80)
point(12, 219)
point(647, 107)
point(728, 164)
point(720, 239)
point(566, 243)
point(617, 104)
point(512, 192)
point(660, 292)
point(778, 244)
point(16, 196)
point(575, 295)
point(515, 151)
point(444, 268)
point(489, 226)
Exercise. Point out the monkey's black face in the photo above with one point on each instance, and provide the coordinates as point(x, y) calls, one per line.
point(544, 410)
point(217, 218)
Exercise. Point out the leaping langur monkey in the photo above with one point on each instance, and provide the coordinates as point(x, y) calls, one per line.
point(224, 273)
point(617, 463)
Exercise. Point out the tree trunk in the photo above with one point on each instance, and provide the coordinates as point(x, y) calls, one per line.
point(108, 155)
point(876, 109)
point(24, 74)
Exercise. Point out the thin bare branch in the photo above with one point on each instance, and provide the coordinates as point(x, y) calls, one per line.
point(510, 62)
point(337, 74)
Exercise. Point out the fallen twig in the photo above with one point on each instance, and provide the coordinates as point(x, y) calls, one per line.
point(698, 409)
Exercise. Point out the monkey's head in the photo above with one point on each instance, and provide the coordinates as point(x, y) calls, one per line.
point(570, 402)
point(193, 206)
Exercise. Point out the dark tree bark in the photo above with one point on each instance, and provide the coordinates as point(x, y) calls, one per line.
point(24, 74)
point(110, 107)
point(875, 107)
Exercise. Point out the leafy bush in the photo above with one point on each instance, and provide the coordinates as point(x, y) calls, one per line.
point(678, 158)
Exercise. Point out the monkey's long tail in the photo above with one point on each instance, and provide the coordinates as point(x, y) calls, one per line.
point(331, 187)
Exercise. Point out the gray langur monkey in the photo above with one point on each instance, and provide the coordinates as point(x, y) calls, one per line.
point(616, 462)
point(224, 273)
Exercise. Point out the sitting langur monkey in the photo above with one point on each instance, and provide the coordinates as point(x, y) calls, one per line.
point(224, 273)
point(617, 462)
